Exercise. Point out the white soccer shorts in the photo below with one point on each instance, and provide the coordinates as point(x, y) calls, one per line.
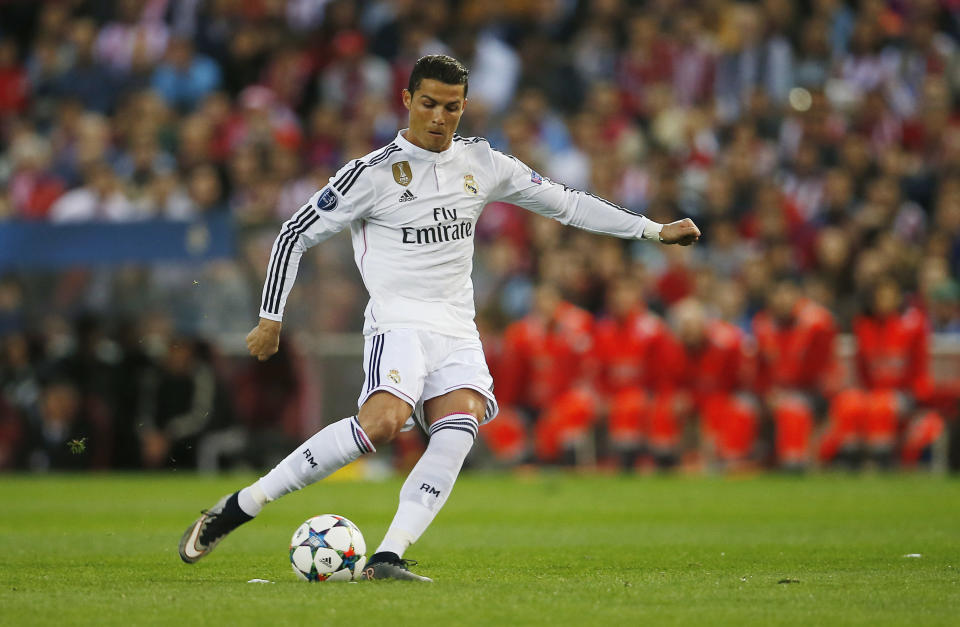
point(417, 365)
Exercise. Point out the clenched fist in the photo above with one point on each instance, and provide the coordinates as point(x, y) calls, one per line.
point(683, 232)
point(264, 340)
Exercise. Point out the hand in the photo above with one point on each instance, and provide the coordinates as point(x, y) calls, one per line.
point(683, 232)
point(264, 340)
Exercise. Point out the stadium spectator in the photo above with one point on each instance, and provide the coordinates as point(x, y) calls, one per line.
point(13, 80)
point(185, 78)
point(33, 186)
point(102, 198)
point(182, 401)
point(86, 80)
point(133, 33)
point(72, 433)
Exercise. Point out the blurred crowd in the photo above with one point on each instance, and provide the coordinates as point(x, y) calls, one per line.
point(815, 143)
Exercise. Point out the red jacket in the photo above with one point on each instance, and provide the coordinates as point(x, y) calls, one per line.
point(798, 355)
point(542, 358)
point(718, 365)
point(628, 351)
point(893, 353)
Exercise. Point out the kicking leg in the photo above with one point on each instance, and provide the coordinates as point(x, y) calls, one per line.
point(453, 420)
point(333, 447)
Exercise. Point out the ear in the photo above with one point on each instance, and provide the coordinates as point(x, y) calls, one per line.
point(407, 98)
point(463, 107)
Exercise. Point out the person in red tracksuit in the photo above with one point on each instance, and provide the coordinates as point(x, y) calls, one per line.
point(893, 368)
point(506, 437)
point(628, 343)
point(703, 373)
point(547, 371)
point(796, 369)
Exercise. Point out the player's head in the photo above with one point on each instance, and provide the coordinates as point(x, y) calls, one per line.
point(435, 96)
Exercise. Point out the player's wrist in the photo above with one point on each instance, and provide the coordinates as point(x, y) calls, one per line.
point(651, 230)
point(269, 324)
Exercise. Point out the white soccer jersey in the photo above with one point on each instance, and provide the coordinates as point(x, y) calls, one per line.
point(412, 214)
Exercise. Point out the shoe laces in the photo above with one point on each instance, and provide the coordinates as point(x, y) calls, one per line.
point(406, 564)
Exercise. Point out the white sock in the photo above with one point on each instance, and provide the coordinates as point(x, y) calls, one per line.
point(251, 500)
point(431, 480)
point(330, 449)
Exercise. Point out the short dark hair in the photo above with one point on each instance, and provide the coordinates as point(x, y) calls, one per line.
point(439, 67)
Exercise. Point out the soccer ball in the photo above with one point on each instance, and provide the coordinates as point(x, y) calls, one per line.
point(328, 548)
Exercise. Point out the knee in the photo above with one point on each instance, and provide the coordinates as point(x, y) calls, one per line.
point(382, 417)
point(383, 427)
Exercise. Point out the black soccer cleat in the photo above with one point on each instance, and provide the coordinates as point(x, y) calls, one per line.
point(390, 566)
point(213, 526)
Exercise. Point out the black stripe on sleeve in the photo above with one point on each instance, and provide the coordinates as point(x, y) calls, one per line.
point(295, 228)
point(378, 159)
point(345, 182)
point(278, 292)
point(607, 202)
point(356, 165)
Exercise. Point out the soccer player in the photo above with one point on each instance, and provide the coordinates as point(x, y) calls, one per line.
point(411, 208)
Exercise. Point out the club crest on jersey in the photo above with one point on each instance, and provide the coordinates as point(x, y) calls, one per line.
point(535, 178)
point(470, 185)
point(394, 376)
point(402, 173)
point(327, 201)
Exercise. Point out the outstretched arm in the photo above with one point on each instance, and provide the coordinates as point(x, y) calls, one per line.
point(519, 185)
point(327, 212)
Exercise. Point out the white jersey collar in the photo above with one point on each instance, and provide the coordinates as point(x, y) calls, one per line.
point(424, 154)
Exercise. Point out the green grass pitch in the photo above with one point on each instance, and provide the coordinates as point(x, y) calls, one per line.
point(541, 549)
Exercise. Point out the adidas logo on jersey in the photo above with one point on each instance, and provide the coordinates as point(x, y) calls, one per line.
point(407, 196)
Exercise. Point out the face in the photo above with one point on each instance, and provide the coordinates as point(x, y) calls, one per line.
point(886, 298)
point(691, 324)
point(623, 298)
point(546, 298)
point(783, 300)
point(435, 111)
